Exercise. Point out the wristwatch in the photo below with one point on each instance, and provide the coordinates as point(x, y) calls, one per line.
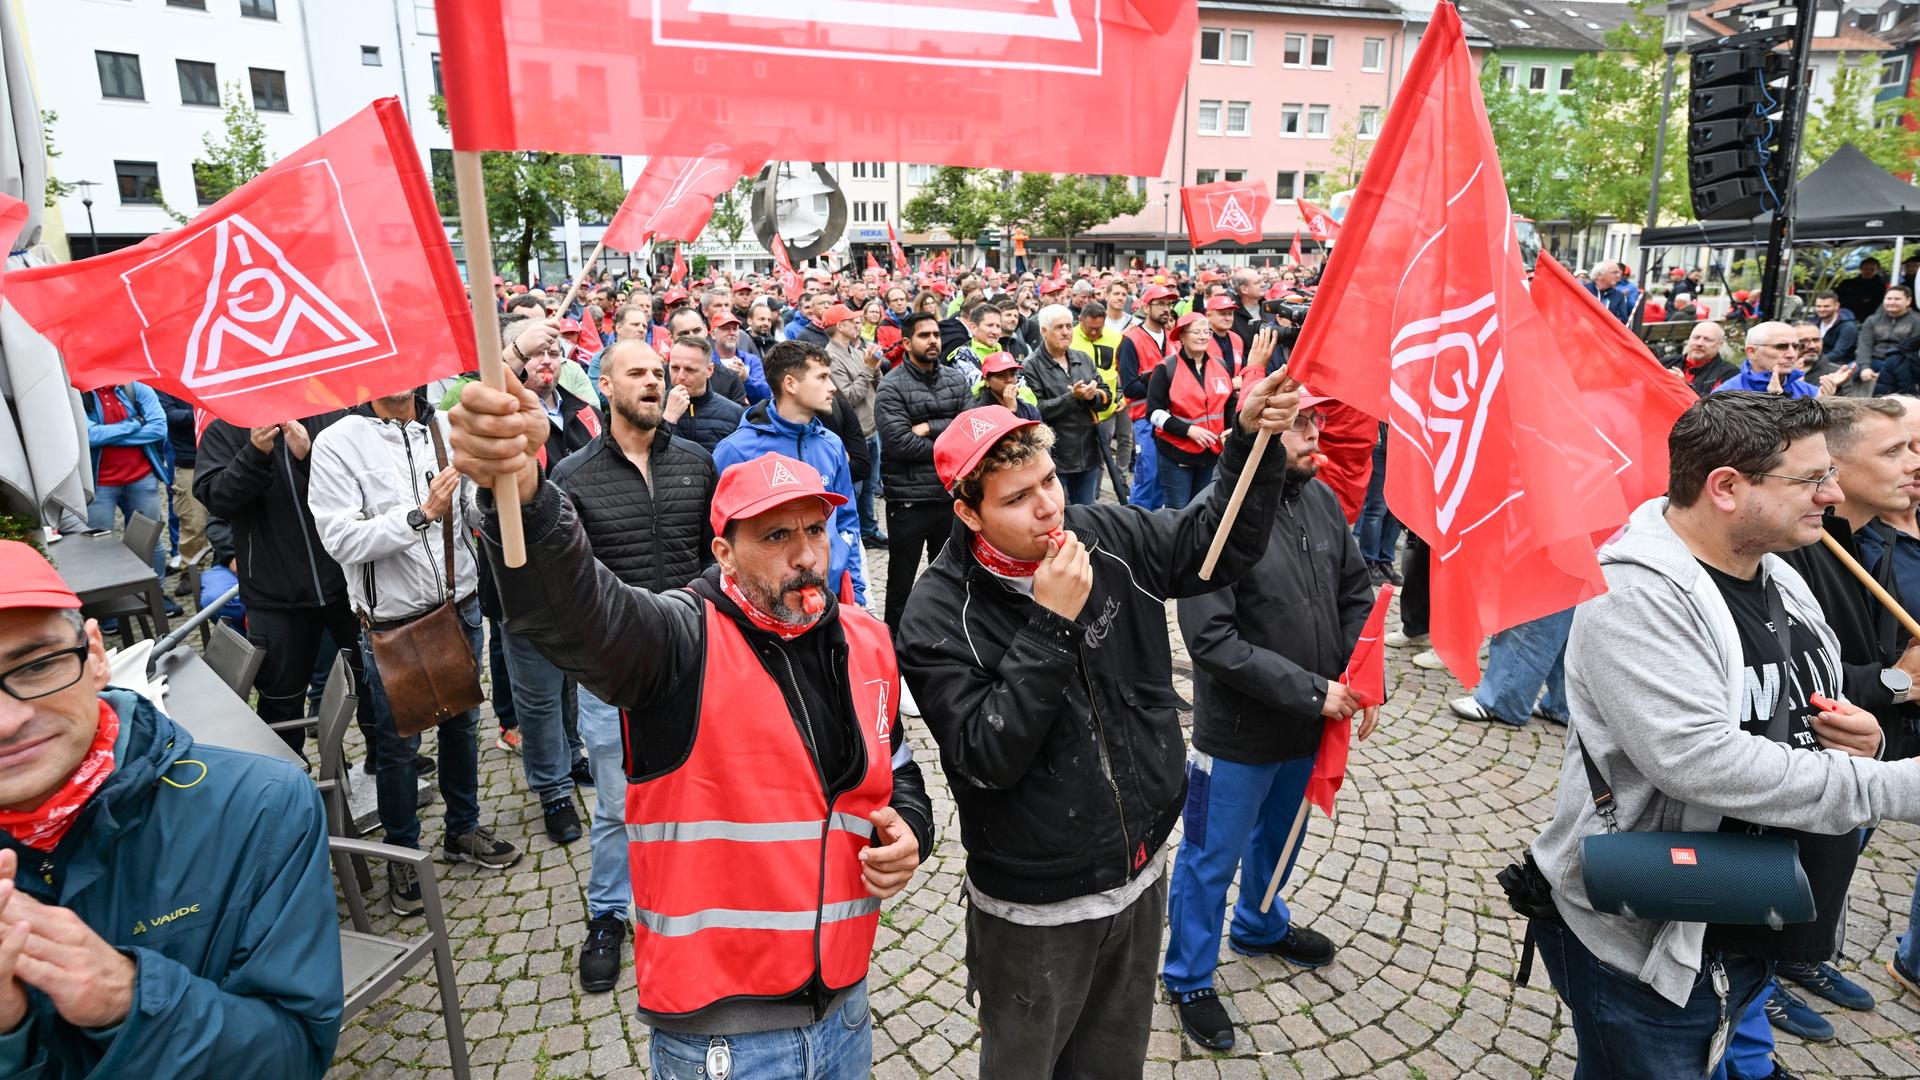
point(418, 522)
point(1897, 681)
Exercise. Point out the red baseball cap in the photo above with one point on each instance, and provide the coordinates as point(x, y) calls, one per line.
point(998, 362)
point(757, 486)
point(942, 288)
point(967, 439)
point(1051, 286)
point(726, 318)
point(1676, 272)
point(1223, 302)
point(567, 326)
point(28, 580)
point(836, 315)
point(1187, 320)
point(519, 288)
point(498, 280)
point(1157, 292)
point(673, 297)
point(742, 287)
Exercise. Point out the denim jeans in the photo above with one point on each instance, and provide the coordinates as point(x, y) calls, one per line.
point(502, 681)
point(1118, 431)
point(1081, 487)
point(837, 1047)
point(397, 784)
point(1145, 490)
point(1750, 1052)
point(539, 699)
point(864, 492)
point(1627, 1030)
point(1180, 483)
point(1237, 816)
point(1378, 531)
point(1520, 660)
point(609, 883)
point(140, 497)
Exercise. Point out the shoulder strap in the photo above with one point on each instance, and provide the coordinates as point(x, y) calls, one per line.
point(446, 521)
point(1777, 615)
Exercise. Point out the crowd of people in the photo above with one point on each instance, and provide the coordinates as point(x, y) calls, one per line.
point(696, 638)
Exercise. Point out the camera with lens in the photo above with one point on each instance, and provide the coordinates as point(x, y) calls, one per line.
point(1293, 311)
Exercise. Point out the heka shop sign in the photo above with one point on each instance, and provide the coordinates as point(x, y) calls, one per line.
point(949, 82)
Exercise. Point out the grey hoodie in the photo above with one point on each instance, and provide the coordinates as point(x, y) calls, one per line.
point(1655, 680)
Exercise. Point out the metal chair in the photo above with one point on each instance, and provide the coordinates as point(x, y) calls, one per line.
point(141, 536)
point(235, 659)
point(372, 963)
point(337, 705)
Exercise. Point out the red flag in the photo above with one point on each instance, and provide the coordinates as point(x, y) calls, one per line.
point(1293, 253)
point(323, 282)
point(1230, 210)
point(940, 265)
point(1493, 464)
point(899, 253)
point(783, 268)
point(672, 198)
point(1059, 268)
point(1319, 222)
point(947, 82)
point(1366, 676)
point(873, 265)
point(679, 272)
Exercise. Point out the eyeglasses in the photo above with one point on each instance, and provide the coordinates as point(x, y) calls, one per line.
point(1305, 420)
point(47, 674)
point(1784, 346)
point(1832, 471)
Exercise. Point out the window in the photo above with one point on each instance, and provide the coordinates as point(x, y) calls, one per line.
point(1373, 54)
point(879, 170)
point(1309, 184)
point(203, 192)
point(139, 182)
point(1209, 118)
point(1205, 176)
point(259, 9)
point(858, 209)
point(369, 56)
point(269, 89)
point(1237, 121)
point(1290, 120)
point(197, 5)
point(1322, 54)
point(120, 76)
point(1537, 77)
point(1317, 121)
point(859, 170)
point(1889, 17)
point(1369, 126)
point(1211, 41)
point(1509, 76)
point(198, 84)
point(1284, 186)
point(869, 170)
point(1140, 186)
point(919, 174)
point(439, 86)
point(1295, 52)
point(1240, 47)
point(1893, 72)
point(1566, 77)
point(1234, 175)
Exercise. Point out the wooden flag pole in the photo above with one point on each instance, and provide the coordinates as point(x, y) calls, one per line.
point(471, 190)
point(1286, 855)
point(580, 281)
point(1874, 587)
point(1240, 486)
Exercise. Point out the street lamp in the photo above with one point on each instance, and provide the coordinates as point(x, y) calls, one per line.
point(86, 200)
point(1672, 40)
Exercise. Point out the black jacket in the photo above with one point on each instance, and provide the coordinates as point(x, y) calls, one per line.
point(844, 422)
point(654, 537)
point(1265, 647)
point(1075, 448)
point(179, 429)
point(1061, 737)
point(709, 418)
point(1708, 375)
point(908, 396)
point(263, 497)
point(1869, 638)
point(645, 653)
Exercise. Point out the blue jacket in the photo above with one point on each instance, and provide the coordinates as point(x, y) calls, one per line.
point(757, 388)
point(709, 418)
point(1749, 379)
point(208, 868)
point(144, 427)
point(762, 430)
point(1619, 300)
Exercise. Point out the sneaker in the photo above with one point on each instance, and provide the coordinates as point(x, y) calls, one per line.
point(908, 707)
point(1825, 982)
point(1540, 713)
point(1204, 1019)
point(1429, 660)
point(403, 890)
point(1301, 947)
point(175, 563)
point(1909, 983)
point(424, 765)
point(563, 821)
point(509, 740)
point(172, 608)
point(1779, 1073)
point(1795, 1017)
point(479, 846)
point(1399, 639)
point(580, 773)
point(876, 540)
point(1376, 574)
point(1469, 708)
point(600, 954)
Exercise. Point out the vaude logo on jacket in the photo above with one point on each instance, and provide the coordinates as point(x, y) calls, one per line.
point(1049, 35)
point(263, 320)
point(1441, 388)
point(1228, 214)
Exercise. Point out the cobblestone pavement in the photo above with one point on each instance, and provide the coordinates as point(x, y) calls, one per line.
point(1402, 880)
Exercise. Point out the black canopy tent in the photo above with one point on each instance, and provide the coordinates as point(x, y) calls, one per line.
point(1847, 198)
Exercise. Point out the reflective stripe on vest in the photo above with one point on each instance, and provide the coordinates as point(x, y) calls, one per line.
point(746, 882)
point(1146, 353)
point(1201, 402)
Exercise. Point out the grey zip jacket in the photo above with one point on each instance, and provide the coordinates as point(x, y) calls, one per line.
point(1655, 679)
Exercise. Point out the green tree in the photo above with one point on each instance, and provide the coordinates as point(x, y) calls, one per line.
point(1850, 115)
point(1530, 134)
point(1075, 203)
point(56, 187)
point(529, 193)
point(729, 220)
point(1342, 171)
point(1614, 113)
point(231, 156)
point(965, 202)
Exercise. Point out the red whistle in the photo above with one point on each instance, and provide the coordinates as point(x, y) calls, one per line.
point(811, 601)
point(1320, 460)
point(1058, 536)
point(1824, 703)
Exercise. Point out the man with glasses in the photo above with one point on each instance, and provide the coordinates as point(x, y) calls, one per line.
point(113, 822)
point(1772, 365)
point(1262, 690)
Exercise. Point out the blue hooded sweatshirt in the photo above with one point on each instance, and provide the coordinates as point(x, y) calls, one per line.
point(1791, 383)
point(763, 430)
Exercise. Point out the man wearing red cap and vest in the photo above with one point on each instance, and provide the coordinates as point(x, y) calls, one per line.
point(773, 801)
point(1142, 346)
point(1037, 647)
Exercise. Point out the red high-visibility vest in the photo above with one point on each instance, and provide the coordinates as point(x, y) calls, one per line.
point(746, 883)
point(1147, 352)
point(1201, 402)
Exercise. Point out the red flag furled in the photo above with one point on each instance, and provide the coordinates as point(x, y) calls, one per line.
point(1293, 253)
point(323, 282)
point(899, 253)
point(1319, 222)
point(1494, 464)
point(1230, 210)
point(783, 269)
point(1366, 676)
point(1059, 268)
point(941, 263)
point(947, 82)
point(873, 265)
point(678, 273)
point(673, 197)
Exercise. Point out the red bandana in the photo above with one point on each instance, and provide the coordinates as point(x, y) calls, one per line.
point(785, 631)
point(1000, 562)
point(42, 827)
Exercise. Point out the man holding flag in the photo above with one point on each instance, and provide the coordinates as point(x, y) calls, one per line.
point(1264, 687)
